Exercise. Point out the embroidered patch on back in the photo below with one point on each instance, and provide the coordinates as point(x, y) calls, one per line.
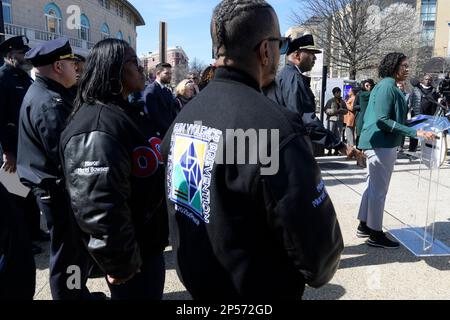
point(191, 161)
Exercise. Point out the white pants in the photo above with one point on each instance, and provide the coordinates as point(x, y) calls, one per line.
point(380, 164)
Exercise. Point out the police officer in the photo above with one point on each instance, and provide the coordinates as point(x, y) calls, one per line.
point(253, 230)
point(292, 89)
point(17, 267)
point(14, 83)
point(43, 115)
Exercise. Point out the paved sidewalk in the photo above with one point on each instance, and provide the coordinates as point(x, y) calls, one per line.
point(365, 272)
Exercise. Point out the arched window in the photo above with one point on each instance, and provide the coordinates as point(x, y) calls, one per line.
point(53, 18)
point(84, 30)
point(7, 16)
point(119, 35)
point(105, 31)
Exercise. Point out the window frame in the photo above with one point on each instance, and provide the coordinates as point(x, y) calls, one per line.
point(103, 33)
point(86, 28)
point(57, 17)
point(6, 4)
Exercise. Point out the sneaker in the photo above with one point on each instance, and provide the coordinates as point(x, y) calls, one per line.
point(363, 230)
point(380, 240)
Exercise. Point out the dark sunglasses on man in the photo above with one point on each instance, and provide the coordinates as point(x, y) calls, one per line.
point(283, 43)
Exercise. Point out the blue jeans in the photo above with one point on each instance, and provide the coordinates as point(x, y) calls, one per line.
point(146, 285)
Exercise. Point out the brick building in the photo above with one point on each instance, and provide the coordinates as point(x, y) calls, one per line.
point(43, 20)
point(175, 56)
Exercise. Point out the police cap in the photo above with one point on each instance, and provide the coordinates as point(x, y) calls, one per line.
point(305, 42)
point(49, 52)
point(14, 43)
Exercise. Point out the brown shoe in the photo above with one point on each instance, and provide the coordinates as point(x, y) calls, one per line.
point(361, 159)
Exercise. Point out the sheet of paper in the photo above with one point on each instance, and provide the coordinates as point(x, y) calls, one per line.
point(12, 183)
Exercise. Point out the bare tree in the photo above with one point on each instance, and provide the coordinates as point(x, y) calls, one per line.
point(197, 66)
point(356, 33)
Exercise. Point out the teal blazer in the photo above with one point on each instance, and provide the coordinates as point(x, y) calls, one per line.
point(384, 120)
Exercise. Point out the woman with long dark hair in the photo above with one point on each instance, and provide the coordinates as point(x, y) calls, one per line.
point(381, 134)
point(114, 175)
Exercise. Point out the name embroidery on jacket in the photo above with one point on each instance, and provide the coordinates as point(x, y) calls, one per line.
point(323, 194)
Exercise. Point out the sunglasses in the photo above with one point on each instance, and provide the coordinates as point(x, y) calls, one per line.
point(283, 43)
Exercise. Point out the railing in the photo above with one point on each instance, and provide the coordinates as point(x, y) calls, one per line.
point(40, 35)
point(14, 30)
point(45, 36)
point(76, 43)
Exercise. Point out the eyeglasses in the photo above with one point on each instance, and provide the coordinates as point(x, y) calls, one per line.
point(283, 43)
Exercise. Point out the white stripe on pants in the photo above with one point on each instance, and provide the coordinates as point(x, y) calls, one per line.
point(380, 164)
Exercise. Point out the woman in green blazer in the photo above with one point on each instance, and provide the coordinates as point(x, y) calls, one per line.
point(381, 134)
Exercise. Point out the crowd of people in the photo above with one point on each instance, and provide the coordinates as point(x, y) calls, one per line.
point(115, 166)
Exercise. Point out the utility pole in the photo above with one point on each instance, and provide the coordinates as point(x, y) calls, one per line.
point(323, 91)
point(2, 29)
point(162, 42)
point(2, 23)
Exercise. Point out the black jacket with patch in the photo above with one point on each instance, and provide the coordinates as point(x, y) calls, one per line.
point(114, 176)
point(236, 232)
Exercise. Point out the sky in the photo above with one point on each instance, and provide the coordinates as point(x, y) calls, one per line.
point(188, 24)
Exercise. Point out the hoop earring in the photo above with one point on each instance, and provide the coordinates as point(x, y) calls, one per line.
point(116, 87)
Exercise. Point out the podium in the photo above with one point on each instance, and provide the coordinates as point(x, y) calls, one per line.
point(425, 228)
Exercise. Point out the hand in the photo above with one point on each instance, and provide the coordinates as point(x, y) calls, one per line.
point(119, 281)
point(427, 135)
point(9, 162)
point(347, 150)
point(360, 159)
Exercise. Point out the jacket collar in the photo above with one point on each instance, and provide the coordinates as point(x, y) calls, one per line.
point(17, 71)
point(293, 66)
point(229, 73)
point(389, 80)
point(52, 85)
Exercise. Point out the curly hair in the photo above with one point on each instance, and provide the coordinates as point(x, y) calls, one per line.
point(235, 24)
point(390, 64)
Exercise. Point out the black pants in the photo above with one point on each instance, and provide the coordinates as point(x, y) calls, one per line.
point(17, 266)
point(69, 260)
point(413, 144)
point(146, 285)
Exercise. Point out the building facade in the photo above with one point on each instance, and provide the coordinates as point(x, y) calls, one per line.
point(435, 20)
point(84, 22)
point(175, 56)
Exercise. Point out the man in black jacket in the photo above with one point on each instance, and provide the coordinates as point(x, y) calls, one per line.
point(17, 267)
point(292, 89)
point(14, 83)
point(159, 100)
point(43, 115)
point(246, 229)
